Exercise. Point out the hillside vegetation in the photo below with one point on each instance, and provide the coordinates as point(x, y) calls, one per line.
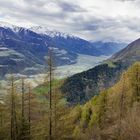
point(82, 86)
point(113, 114)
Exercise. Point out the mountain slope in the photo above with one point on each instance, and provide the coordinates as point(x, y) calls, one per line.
point(112, 110)
point(109, 48)
point(68, 42)
point(128, 54)
point(34, 47)
point(81, 87)
point(33, 44)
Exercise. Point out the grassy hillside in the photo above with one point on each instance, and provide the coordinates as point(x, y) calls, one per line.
point(44, 88)
point(42, 91)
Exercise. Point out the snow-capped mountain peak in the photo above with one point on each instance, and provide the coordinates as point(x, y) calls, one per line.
point(39, 30)
point(6, 25)
point(14, 28)
point(50, 32)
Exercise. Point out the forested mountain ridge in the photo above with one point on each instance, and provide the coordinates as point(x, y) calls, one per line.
point(81, 87)
point(113, 114)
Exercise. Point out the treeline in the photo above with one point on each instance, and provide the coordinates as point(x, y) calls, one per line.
point(111, 115)
point(25, 115)
point(81, 87)
point(114, 114)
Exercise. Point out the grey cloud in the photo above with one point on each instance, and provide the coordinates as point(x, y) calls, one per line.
point(126, 0)
point(107, 29)
point(71, 18)
point(65, 6)
point(16, 11)
point(69, 7)
point(38, 3)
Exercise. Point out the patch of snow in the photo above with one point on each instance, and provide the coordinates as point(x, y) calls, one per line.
point(58, 52)
point(51, 33)
point(6, 25)
point(65, 58)
point(1, 66)
point(37, 29)
point(14, 28)
point(3, 48)
point(16, 59)
point(4, 52)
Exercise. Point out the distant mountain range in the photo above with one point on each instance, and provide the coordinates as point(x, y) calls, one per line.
point(81, 87)
point(108, 48)
point(23, 50)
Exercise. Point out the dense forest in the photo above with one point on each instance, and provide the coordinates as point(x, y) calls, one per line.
point(43, 113)
point(114, 113)
point(70, 70)
point(83, 86)
point(80, 87)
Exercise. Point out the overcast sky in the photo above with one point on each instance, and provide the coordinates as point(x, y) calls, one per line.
point(115, 20)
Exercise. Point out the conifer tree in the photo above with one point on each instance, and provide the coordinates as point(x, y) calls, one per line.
point(121, 107)
point(29, 110)
point(50, 79)
point(102, 109)
point(14, 128)
point(24, 116)
point(135, 81)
